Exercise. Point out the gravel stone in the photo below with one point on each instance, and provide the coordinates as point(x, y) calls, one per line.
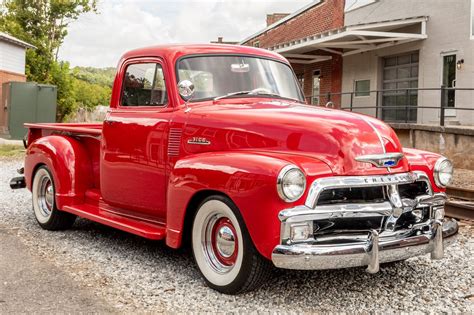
point(134, 274)
point(463, 178)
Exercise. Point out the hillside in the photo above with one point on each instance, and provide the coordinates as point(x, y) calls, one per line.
point(92, 86)
point(100, 76)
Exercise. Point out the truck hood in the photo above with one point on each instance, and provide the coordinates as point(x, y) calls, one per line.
point(335, 137)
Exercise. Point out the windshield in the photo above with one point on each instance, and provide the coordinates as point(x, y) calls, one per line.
point(238, 76)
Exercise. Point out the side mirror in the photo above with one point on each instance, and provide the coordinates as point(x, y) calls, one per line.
point(186, 89)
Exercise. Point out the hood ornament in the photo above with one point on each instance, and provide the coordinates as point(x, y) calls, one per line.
point(381, 160)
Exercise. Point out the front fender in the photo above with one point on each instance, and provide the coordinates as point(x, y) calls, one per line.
point(424, 161)
point(68, 162)
point(248, 179)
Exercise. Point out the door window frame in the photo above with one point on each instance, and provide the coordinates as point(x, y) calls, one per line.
point(140, 60)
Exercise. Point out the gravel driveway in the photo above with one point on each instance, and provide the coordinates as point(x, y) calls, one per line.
point(133, 274)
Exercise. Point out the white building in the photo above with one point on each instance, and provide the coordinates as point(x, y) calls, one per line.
point(12, 67)
point(444, 55)
point(396, 54)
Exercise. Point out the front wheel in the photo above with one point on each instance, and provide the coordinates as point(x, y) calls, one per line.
point(44, 204)
point(223, 250)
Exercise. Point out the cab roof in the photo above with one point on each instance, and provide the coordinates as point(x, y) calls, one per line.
point(172, 52)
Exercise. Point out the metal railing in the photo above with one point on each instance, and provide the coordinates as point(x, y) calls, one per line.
point(409, 105)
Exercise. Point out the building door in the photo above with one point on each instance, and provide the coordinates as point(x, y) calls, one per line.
point(449, 79)
point(400, 76)
point(316, 87)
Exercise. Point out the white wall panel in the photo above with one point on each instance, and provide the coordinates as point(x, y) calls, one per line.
point(12, 58)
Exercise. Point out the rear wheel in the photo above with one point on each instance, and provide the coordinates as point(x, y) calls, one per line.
point(223, 250)
point(44, 205)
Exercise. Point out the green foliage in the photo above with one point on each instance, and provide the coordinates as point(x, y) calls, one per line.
point(43, 23)
point(60, 75)
point(10, 150)
point(92, 87)
point(100, 76)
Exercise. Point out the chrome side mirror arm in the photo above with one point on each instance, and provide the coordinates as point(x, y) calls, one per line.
point(186, 91)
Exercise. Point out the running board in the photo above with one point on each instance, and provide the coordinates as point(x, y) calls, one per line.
point(94, 213)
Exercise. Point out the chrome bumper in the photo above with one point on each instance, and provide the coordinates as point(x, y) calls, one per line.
point(386, 244)
point(377, 249)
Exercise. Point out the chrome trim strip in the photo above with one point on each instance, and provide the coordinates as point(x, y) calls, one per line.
point(377, 132)
point(353, 254)
point(324, 183)
point(350, 210)
point(303, 213)
point(423, 177)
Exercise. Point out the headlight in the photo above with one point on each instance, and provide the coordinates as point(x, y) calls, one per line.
point(443, 172)
point(291, 183)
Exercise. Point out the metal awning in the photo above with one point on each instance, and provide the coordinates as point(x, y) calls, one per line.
point(354, 39)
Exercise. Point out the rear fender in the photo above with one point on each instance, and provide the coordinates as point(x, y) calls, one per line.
point(69, 163)
point(247, 178)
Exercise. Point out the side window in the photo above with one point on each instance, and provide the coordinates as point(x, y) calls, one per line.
point(144, 85)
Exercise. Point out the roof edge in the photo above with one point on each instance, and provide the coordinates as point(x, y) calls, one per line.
point(13, 40)
point(285, 19)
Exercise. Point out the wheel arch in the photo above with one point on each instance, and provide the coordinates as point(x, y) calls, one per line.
point(68, 162)
point(247, 178)
point(192, 208)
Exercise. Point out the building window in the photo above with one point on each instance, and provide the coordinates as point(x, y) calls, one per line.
point(362, 88)
point(256, 44)
point(316, 87)
point(449, 79)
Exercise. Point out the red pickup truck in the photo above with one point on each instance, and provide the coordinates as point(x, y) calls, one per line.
point(214, 145)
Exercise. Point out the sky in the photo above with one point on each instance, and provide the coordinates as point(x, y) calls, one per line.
point(98, 40)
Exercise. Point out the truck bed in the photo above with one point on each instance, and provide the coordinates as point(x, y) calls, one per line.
point(78, 128)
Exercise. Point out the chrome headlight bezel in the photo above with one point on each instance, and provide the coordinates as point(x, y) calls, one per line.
point(283, 176)
point(439, 166)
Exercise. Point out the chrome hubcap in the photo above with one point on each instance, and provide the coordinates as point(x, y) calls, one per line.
point(45, 196)
point(220, 243)
point(225, 241)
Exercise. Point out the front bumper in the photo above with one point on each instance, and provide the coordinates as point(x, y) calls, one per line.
point(334, 236)
point(375, 250)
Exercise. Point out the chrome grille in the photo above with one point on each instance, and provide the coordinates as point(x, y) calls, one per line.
point(361, 204)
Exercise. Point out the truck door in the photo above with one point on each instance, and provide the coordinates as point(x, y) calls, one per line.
point(133, 151)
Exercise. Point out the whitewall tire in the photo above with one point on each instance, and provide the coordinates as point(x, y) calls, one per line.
point(44, 202)
point(223, 250)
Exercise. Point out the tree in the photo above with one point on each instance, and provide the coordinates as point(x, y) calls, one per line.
point(44, 23)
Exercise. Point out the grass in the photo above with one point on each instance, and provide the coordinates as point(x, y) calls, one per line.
point(10, 150)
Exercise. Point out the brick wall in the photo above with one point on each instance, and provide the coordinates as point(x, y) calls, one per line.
point(6, 76)
point(327, 15)
point(275, 17)
point(330, 80)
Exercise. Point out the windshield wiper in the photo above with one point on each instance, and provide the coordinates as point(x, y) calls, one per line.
point(253, 92)
point(232, 94)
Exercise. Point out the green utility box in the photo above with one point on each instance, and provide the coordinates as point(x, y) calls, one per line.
point(26, 102)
